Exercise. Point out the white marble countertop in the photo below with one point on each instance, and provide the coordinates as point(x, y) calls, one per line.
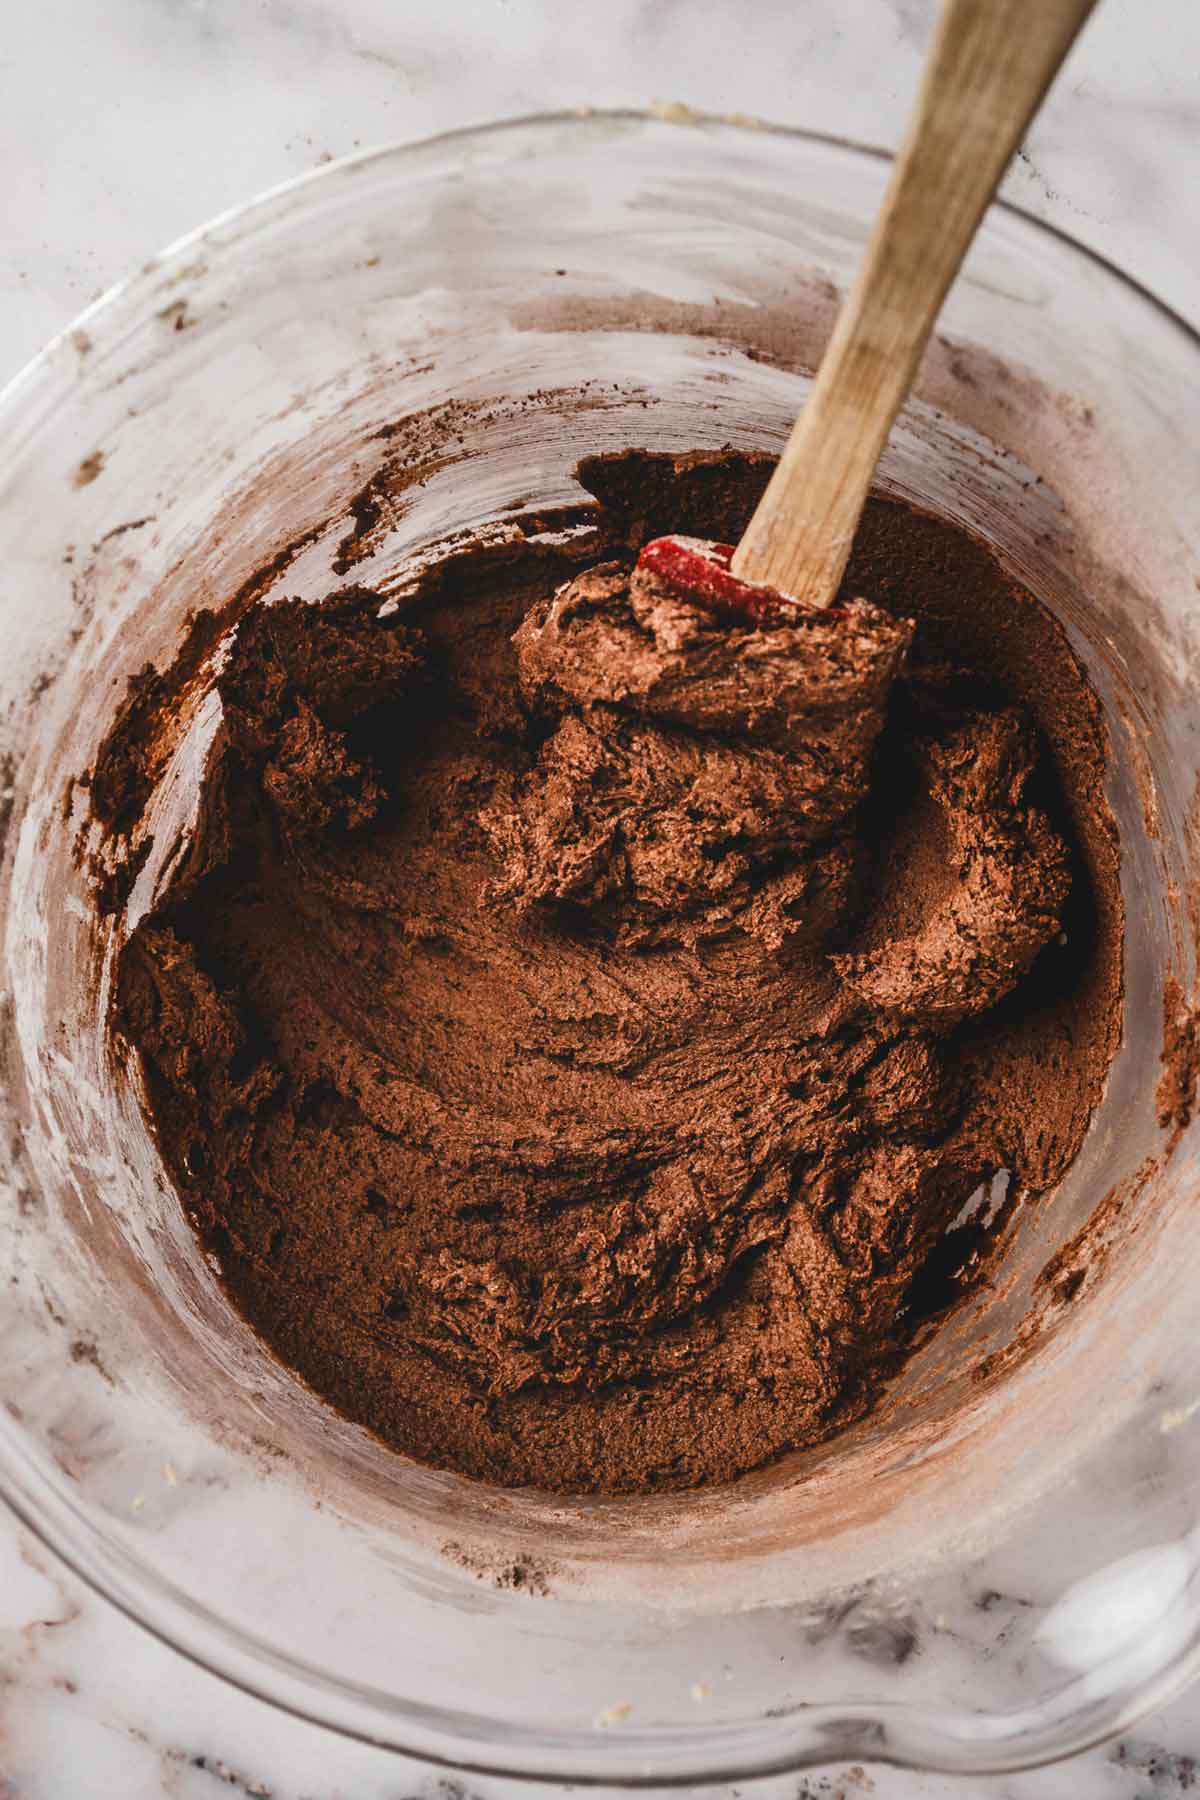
point(125, 123)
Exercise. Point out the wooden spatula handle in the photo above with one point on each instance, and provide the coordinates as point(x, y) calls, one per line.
point(990, 65)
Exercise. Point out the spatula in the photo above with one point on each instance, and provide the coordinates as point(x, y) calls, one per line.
point(988, 69)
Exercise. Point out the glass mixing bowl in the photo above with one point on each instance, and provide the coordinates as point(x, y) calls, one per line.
point(1000, 1565)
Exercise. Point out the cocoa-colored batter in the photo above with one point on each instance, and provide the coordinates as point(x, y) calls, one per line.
point(579, 1018)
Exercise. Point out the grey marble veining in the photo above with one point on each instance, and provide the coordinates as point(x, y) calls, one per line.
point(122, 126)
point(93, 1709)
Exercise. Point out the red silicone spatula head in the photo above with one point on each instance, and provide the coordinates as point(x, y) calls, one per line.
point(699, 570)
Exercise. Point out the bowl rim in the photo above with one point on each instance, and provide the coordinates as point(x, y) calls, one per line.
point(437, 1737)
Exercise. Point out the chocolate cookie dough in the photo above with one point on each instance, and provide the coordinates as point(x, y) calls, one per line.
point(579, 1018)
